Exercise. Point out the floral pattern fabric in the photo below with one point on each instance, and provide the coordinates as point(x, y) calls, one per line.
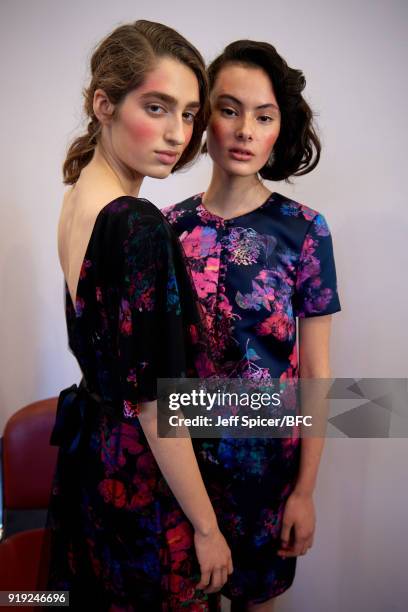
point(255, 274)
point(117, 537)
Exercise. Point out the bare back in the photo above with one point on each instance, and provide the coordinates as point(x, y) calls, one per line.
point(80, 208)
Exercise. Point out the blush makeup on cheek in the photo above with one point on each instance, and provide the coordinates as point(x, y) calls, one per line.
point(268, 143)
point(138, 126)
point(142, 131)
point(188, 137)
point(217, 132)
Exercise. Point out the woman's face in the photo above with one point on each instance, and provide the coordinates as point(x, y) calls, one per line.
point(154, 122)
point(245, 119)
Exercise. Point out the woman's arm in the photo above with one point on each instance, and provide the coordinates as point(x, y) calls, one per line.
point(314, 336)
point(314, 362)
point(178, 464)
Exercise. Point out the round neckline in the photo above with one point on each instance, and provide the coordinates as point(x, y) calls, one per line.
point(224, 219)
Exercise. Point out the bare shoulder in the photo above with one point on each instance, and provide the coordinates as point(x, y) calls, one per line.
point(64, 224)
point(80, 208)
point(81, 205)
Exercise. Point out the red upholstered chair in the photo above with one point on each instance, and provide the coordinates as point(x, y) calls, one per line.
point(19, 562)
point(28, 465)
point(19, 559)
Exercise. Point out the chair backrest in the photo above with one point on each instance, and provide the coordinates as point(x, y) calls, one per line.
point(28, 459)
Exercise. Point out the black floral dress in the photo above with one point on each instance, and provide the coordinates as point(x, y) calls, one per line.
point(255, 274)
point(117, 537)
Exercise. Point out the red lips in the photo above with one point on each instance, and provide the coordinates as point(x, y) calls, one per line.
point(167, 157)
point(239, 150)
point(169, 152)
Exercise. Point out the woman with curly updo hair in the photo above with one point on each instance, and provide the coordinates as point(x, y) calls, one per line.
point(130, 524)
point(260, 260)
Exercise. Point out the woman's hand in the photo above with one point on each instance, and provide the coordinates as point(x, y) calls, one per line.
point(299, 514)
point(214, 557)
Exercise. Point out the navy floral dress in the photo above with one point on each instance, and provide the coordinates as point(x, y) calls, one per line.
point(255, 274)
point(116, 536)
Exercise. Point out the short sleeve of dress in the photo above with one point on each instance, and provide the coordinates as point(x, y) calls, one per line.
point(316, 281)
point(159, 332)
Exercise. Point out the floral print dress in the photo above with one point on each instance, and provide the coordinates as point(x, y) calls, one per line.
point(116, 537)
point(255, 274)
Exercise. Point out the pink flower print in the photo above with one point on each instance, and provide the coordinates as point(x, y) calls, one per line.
point(315, 282)
point(85, 265)
point(179, 540)
point(172, 215)
point(293, 357)
point(144, 300)
point(310, 268)
point(310, 265)
point(265, 294)
point(206, 216)
point(279, 325)
point(194, 334)
point(253, 372)
point(249, 301)
point(243, 245)
point(200, 242)
point(308, 213)
point(265, 276)
point(125, 318)
point(319, 302)
point(144, 495)
point(309, 247)
point(128, 439)
point(212, 266)
point(113, 492)
point(260, 296)
point(130, 410)
point(321, 226)
point(224, 306)
point(203, 285)
point(289, 446)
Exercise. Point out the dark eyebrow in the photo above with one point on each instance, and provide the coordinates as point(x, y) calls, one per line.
point(270, 105)
point(168, 99)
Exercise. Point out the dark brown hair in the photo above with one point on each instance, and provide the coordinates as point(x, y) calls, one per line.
point(297, 148)
point(120, 64)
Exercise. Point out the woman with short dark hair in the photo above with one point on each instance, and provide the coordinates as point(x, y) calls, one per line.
point(259, 261)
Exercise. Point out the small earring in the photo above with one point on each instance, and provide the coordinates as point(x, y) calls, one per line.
point(271, 159)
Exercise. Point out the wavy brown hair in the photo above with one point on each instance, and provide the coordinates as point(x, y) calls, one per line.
point(297, 148)
point(120, 64)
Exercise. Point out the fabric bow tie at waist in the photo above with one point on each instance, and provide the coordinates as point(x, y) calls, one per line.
point(76, 409)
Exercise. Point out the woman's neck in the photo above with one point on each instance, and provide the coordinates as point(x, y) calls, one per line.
point(112, 172)
point(231, 195)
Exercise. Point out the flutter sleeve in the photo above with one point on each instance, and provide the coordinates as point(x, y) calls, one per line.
point(316, 281)
point(160, 328)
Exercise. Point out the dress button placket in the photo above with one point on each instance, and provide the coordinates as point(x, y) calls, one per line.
point(223, 258)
